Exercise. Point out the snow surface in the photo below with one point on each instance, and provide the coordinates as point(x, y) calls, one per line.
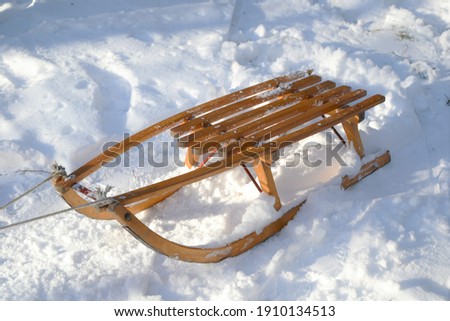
point(76, 74)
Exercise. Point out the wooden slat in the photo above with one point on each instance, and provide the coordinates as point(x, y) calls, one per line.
point(243, 118)
point(287, 124)
point(219, 113)
point(328, 122)
point(307, 108)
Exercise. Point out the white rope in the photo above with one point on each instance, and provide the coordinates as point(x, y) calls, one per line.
point(33, 171)
point(100, 195)
point(56, 170)
point(26, 193)
point(26, 171)
point(99, 203)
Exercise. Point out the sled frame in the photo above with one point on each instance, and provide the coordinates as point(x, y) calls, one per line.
point(246, 126)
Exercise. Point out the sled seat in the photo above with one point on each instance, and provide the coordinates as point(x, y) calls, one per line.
point(294, 108)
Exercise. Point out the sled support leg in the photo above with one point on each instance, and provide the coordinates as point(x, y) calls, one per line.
point(351, 130)
point(266, 180)
point(191, 158)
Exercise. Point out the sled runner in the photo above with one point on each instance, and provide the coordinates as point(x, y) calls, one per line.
point(246, 126)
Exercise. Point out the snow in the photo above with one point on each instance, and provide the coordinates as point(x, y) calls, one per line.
point(77, 74)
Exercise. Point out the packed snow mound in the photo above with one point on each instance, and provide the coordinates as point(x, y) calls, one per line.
point(77, 74)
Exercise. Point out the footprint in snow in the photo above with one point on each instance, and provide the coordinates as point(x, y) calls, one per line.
point(111, 99)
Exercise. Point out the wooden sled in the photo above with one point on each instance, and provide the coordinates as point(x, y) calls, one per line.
point(246, 126)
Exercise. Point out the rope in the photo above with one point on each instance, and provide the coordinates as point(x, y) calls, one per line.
point(99, 203)
point(56, 170)
point(99, 196)
point(26, 193)
point(27, 171)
